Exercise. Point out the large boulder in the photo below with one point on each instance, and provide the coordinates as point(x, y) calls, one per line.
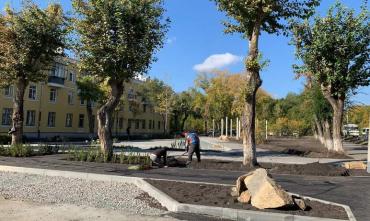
point(266, 194)
point(245, 197)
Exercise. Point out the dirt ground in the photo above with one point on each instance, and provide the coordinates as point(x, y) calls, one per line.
point(21, 211)
point(303, 146)
point(313, 169)
point(219, 196)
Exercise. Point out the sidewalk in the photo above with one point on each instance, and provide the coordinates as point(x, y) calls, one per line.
point(229, 151)
point(352, 191)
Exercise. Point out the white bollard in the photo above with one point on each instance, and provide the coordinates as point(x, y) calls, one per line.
point(213, 128)
point(237, 128)
point(266, 130)
point(231, 127)
point(222, 127)
point(226, 126)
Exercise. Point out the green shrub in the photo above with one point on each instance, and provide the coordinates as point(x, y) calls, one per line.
point(48, 149)
point(21, 150)
point(5, 139)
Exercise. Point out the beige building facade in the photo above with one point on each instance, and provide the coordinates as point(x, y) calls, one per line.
point(54, 109)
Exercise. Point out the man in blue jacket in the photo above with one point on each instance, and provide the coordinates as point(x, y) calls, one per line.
point(192, 145)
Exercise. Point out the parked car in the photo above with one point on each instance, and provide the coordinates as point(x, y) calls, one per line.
point(365, 132)
point(351, 130)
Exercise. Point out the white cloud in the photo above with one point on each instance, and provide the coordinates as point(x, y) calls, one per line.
point(171, 40)
point(217, 61)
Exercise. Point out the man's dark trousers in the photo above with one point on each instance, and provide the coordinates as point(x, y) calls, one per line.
point(194, 148)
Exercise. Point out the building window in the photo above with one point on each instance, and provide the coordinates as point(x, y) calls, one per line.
point(150, 124)
point(81, 120)
point(32, 92)
point(58, 70)
point(82, 101)
point(8, 91)
point(137, 124)
point(159, 125)
point(70, 97)
point(144, 108)
point(130, 123)
point(51, 119)
point(120, 123)
point(30, 118)
point(69, 120)
point(53, 95)
point(143, 124)
point(93, 121)
point(7, 116)
point(71, 77)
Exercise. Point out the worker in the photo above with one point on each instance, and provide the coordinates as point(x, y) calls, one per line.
point(192, 144)
point(157, 155)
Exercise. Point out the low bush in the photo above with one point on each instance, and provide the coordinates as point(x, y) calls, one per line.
point(5, 139)
point(48, 149)
point(94, 155)
point(17, 151)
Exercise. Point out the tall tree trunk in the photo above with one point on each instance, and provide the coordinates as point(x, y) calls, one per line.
point(337, 104)
point(253, 82)
point(337, 125)
point(104, 116)
point(18, 113)
point(319, 129)
point(328, 135)
point(90, 117)
point(183, 122)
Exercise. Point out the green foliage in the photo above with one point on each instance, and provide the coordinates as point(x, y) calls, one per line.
point(89, 89)
point(94, 155)
point(117, 38)
point(5, 139)
point(335, 49)
point(268, 14)
point(46, 149)
point(29, 41)
point(21, 150)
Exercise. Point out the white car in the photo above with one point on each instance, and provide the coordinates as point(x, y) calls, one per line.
point(351, 130)
point(365, 132)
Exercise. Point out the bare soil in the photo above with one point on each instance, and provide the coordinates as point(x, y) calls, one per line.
point(303, 146)
point(219, 196)
point(313, 169)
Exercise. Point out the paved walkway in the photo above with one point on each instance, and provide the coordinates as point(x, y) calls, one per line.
point(213, 148)
point(356, 151)
point(352, 191)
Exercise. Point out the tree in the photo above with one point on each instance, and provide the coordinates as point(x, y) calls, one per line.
point(30, 39)
point(335, 50)
point(117, 40)
point(90, 91)
point(160, 96)
point(250, 19)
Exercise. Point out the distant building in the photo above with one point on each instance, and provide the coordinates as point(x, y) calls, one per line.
point(53, 108)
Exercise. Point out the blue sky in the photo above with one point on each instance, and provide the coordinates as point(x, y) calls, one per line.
point(196, 33)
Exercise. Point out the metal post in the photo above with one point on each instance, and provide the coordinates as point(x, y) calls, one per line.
point(266, 131)
point(226, 126)
point(231, 127)
point(222, 127)
point(213, 128)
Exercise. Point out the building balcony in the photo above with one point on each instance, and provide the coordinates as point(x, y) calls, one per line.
point(56, 81)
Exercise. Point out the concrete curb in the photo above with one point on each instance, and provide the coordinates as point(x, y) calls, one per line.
point(174, 206)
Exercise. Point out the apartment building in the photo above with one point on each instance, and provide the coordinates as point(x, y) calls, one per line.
point(53, 108)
